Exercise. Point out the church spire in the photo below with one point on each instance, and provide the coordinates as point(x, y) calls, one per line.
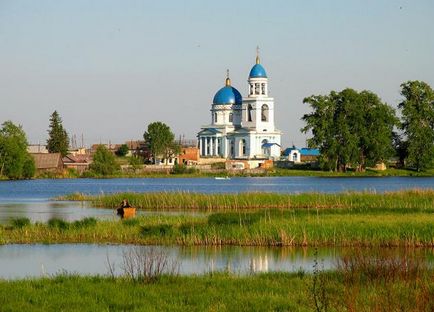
point(228, 80)
point(257, 55)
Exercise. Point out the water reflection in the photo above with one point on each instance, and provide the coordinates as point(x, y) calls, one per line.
point(44, 211)
point(19, 261)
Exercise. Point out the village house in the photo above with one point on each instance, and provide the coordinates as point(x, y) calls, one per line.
point(48, 162)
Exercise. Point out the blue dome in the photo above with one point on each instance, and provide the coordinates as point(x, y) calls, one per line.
point(227, 95)
point(257, 71)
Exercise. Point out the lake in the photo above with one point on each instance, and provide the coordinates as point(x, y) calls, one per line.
point(36, 260)
point(33, 198)
point(43, 190)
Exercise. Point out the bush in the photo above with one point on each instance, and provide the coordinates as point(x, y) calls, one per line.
point(104, 162)
point(58, 224)
point(29, 167)
point(156, 230)
point(122, 150)
point(84, 223)
point(19, 223)
point(182, 169)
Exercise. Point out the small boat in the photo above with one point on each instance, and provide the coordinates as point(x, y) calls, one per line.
point(222, 178)
point(126, 212)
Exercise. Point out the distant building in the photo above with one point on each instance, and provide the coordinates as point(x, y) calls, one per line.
point(189, 156)
point(78, 162)
point(242, 128)
point(302, 155)
point(309, 154)
point(48, 162)
point(37, 148)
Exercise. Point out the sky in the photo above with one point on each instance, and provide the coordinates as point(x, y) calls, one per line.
point(112, 67)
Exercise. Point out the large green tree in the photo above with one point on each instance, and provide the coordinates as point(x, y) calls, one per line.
point(350, 129)
point(417, 111)
point(58, 141)
point(160, 141)
point(103, 162)
point(15, 161)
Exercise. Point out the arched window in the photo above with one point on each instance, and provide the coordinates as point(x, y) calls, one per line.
point(215, 117)
point(264, 112)
point(232, 150)
point(257, 88)
point(249, 112)
point(264, 147)
point(242, 147)
point(231, 117)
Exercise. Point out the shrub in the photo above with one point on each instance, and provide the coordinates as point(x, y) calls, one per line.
point(157, 230)
point(104, 162)
point(182, 169)
point(84, 223)
point(58, 224)
point(19, 223)
point(148, 265)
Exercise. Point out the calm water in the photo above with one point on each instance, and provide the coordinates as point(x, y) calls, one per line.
point(43, 190)
point(20, 261)
point(32, 199)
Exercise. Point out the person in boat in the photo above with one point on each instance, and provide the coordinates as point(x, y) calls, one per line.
point(124, 204)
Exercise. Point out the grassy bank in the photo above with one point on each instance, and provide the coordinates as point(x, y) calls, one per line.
point(274, 172)
point(383, 289)
point(410, 201)
point(266, 227)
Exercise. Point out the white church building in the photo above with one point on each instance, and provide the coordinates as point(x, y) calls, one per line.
point(242, 128)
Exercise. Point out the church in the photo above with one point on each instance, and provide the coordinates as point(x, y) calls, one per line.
point(242, 128)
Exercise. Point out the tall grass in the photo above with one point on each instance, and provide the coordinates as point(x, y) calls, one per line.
point(223, 292)
point(421, 200)
point(263, 228)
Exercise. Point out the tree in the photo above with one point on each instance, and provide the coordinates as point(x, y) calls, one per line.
point(161, 141)
point(122, 150)
point(15, 161)
point(135, 162)
point(58, 141)
point(417, 111)
point(104, 162)
point(350, 129)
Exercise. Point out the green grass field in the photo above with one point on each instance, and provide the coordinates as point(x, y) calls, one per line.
point(322, 291)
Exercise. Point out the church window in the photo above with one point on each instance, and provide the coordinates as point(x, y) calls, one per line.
point(242, 147)
point(215, 117)
point(256, 88)
point(265, 148)
point(249, 112)
point(263, 88)
point(231, 117)
point(264, 112)
point(251, 88)
point(232, 151)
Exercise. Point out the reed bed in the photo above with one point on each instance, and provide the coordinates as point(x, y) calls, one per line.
point(416, 200)
point(261, 228)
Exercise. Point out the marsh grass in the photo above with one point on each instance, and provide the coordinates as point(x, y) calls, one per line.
point(272, 227)
point(409, 201)
point(353, 288)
